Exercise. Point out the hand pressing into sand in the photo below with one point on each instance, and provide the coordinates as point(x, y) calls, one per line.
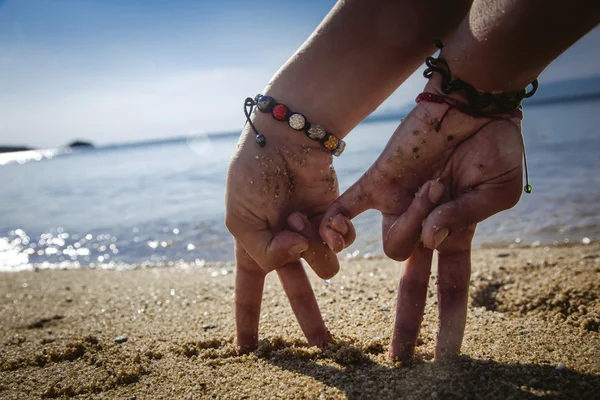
point(434, 187)
point(264, 185)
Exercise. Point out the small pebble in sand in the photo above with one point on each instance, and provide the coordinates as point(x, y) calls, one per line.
point(68, 300)
point(121, 339)
point(561, 367)
point(209, 326)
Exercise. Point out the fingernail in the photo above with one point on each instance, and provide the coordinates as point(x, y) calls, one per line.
point(440, 236)
point(296, 222)
point(298, 248)
point(435, 193)
point(339, 225)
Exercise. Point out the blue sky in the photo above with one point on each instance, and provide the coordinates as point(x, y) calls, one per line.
point(115, 71)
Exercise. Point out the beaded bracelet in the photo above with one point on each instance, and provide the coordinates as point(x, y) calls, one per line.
point(296, 121)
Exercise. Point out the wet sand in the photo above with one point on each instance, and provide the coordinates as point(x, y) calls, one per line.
point(532, 330)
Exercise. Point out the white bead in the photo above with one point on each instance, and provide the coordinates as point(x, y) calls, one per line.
point(297, 121)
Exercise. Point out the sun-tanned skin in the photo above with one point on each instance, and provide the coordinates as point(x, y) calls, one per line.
point(356, 58)
point(277, 195)
point(500, 47)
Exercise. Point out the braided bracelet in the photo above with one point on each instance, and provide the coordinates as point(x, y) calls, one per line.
point(296, 121)
point(478, 103)
point(501, 102)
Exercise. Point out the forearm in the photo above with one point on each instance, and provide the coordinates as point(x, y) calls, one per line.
point(361, 52)
point(503, 45)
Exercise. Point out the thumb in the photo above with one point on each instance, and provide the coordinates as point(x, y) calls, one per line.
point(336, 229)
point(468, 209)
point(404, 234)
point(319, 256)
point(272, 250)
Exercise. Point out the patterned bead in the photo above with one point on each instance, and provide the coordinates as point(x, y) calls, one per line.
point(339, 149)
point(330, 142)
point(297, 121)
point(265, 103)
point(316, 132)
point(280, 112)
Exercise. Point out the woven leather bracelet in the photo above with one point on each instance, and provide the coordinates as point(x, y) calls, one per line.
point(497, 102)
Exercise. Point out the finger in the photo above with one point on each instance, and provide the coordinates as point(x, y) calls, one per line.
point(336, 230)
point(271, 249)
point(318, 255)
point(470, 208)
point(249, 283)
point(304, 304)
point(405, 233)
point(454, 271)
point(344, 227)
point(412, 295)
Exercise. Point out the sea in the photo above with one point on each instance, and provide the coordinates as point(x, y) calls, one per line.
point(162, 203)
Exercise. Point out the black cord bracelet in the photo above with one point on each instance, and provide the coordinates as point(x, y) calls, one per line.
point(478, 103)
point(501, 102)
point(296, 121)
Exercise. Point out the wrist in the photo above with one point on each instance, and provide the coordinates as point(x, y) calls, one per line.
point(278, 133)
point(468, 97)
point(296, 121)
point(484, 71)
point(317, 107)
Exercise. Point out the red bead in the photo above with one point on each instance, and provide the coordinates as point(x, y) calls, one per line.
point(280, 112)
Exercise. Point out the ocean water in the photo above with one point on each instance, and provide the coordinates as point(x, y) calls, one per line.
point(162, 203)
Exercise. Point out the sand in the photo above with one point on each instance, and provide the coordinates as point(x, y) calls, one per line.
point(532, 330)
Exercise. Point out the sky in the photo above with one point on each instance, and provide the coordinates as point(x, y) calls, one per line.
point(117, 71)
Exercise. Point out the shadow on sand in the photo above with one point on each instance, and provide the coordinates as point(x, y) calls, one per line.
point(354, 372)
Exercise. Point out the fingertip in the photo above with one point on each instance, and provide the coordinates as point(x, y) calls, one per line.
point(340, 224)
point(433, 237)
point(436, 191)
point(329, 272)
point(334, 240)
point(297, 221)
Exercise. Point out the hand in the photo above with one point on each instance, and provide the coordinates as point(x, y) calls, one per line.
point(476, 167)
point(264, 185)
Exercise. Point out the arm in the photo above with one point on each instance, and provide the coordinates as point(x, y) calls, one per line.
point(360, 53)
point(503, 45)
point(499, 46)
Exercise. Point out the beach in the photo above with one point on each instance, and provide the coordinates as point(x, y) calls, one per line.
point(532, 330)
